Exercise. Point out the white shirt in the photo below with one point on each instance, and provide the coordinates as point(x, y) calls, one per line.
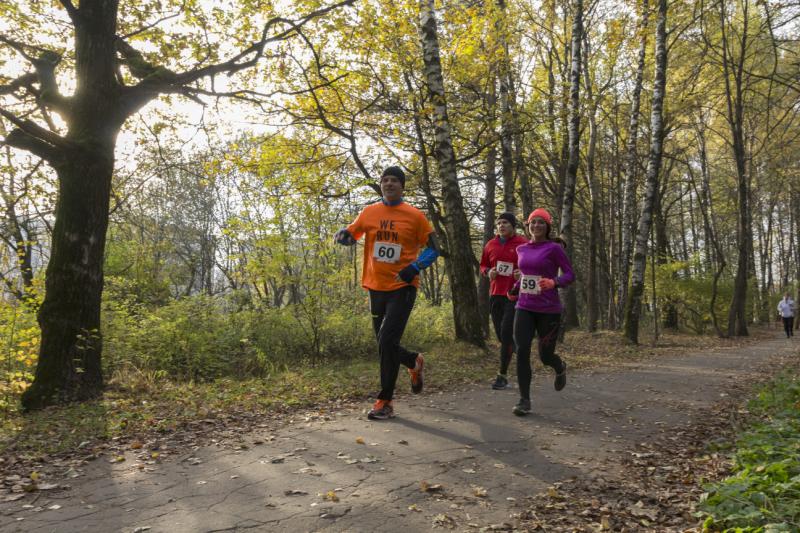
point(786, 307)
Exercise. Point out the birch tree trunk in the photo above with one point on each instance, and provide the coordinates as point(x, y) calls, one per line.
point(633, 305)
point(466, 312)
point(629, 191)
point(571, 177)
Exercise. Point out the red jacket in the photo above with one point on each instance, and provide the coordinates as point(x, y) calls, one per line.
point(506, 253)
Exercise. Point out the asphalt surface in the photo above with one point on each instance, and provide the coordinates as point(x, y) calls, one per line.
point(456, 459)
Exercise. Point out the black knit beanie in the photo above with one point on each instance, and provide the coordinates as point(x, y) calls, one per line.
point(397, 172)
point(509, 217)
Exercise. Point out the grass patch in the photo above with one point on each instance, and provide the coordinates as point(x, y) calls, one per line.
point(137, 407)
point(763, 492)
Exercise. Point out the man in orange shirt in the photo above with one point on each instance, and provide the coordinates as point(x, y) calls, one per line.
point(398, 243)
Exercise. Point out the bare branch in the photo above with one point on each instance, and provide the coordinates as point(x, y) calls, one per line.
point(157, 79)
point(156, 23)
point(22, 47)
point(34, 130)
point(24, 141)
point(14, 85)
point(72, 11)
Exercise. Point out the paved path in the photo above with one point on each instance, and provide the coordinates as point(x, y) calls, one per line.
point(339, 472)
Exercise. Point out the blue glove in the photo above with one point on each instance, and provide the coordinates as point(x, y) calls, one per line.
point(344, 238)
point(408, 273)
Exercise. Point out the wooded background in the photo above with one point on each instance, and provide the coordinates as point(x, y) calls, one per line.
point(173, 171)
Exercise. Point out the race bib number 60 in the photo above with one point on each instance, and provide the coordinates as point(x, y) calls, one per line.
point(529, 284)
point(386, 252)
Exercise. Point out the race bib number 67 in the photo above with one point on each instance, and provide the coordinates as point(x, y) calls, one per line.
point(386, 252)
point(504, 268)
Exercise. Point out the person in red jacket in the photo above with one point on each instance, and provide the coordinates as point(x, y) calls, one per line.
point(499, 264)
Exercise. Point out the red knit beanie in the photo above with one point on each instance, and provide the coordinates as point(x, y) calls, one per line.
point(543, 214)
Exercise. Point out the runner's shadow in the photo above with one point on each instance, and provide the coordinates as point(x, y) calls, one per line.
point(503, 444)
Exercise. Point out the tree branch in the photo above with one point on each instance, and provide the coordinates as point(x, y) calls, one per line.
point(72, 11)
point(24, 141)
point(34, 130)
point(23, 81)
point(156, 79)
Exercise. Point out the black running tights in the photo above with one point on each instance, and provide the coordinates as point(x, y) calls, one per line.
point(390, 312)
point(545, 326)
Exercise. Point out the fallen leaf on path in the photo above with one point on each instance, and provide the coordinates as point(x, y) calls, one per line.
point(638, 510)
point(360, 440)
point(442, 520)
point(479, 492)
point(424, 486)
point(505, 526)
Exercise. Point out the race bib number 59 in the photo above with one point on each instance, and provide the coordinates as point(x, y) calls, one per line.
point(386, 252)
point(529, 284)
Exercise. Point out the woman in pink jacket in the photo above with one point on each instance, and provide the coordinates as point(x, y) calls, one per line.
point(538, 306)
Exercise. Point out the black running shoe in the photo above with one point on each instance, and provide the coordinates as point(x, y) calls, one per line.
point(561, 378)
point(382, 410)
point(522, 408)
point(500, 383)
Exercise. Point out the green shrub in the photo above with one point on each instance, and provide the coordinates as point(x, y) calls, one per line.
point(763, 494)
point(203, 338)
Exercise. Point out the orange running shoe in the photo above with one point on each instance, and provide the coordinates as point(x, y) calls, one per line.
point(416, 375)
point(382, 410)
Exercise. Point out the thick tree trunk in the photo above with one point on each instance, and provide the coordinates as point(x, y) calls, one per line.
point(737, 314)
point(571, 177)
point(69, 366)
point(629, 192)
point(461, 259)
point(69, 362)
point(633, 305)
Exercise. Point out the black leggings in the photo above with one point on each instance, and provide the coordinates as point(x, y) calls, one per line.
point(545, 326)
point(788, 325)
point(390, 312)
point(502, 312)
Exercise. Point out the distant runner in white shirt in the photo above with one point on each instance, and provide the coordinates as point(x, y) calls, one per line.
point(786, 310)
